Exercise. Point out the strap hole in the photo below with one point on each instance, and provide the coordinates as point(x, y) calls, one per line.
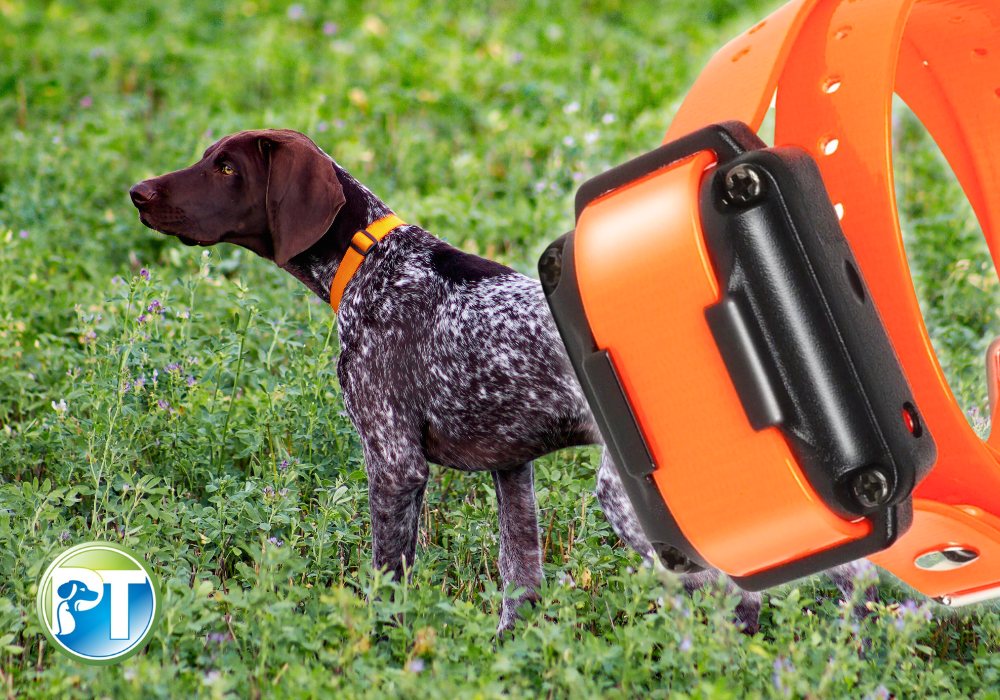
point(854, 279)
point(839, 208)
point(946, 559)
point(831, 85)
point(843, 32)
point(911, 419)
point(829, 145)
point(757, 27)
point(980, 52)
point(740, 54)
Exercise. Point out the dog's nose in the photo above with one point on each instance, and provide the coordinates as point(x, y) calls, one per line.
point(141, 193)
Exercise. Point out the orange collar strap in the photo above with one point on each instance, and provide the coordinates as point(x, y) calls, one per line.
point(835, 65)
point(361, 243)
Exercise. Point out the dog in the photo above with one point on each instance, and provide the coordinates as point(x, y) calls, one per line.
point(445, 357)
point(72, 593)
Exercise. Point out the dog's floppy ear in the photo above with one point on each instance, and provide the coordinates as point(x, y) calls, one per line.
point(303, 193)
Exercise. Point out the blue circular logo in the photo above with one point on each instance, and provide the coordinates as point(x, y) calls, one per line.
point(97, 602)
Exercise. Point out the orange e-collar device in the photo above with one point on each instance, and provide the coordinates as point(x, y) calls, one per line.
point(743, 321)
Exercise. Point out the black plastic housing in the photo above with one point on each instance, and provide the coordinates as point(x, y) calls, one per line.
point(797, 331)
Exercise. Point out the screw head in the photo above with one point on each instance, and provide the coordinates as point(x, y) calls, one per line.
point(743, 184)
point(550, 266)
point(870, 488)
point(675, 560)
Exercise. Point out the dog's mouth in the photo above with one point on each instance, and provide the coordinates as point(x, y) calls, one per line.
point(186, 240)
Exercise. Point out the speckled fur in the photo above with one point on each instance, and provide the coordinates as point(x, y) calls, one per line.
point(461, 365)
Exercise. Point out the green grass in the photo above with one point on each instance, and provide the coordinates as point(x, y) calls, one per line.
point(196, 435)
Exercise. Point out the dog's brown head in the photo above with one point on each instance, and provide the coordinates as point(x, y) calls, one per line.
point(272, 191)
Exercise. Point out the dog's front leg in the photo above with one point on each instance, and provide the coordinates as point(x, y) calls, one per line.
point(397, 477)
point(520, 552)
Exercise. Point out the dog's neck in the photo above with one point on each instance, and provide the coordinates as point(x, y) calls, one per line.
point(317, 266)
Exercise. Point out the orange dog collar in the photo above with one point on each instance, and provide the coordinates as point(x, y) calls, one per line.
point(762, 425)
point(361, 243)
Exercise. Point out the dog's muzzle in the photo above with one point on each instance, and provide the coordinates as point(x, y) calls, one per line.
point(743, 321)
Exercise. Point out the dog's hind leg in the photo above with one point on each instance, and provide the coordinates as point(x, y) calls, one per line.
point(397, 477)
point(620, 513)
point(618, 508)
point(520, 552)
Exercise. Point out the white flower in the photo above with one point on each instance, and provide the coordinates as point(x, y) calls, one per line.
point(608, 118)
point(60, 407)
point(591, 137)
point(572, 108)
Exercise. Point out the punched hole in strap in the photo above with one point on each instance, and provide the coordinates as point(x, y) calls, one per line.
point(946, 559)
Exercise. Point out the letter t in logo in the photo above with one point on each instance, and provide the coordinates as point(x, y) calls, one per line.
point(119, 581)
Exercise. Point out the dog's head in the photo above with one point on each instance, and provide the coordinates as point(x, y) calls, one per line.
point(272, 191)
point(73, 591)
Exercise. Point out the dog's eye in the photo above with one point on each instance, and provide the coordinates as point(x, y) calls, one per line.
point(226, 169)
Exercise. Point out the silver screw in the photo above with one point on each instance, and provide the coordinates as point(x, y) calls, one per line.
point(743, 184)
point(871, 488)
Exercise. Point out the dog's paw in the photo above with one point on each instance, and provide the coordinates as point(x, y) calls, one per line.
point(510, 612)
point(748, 613)
point(506, 626)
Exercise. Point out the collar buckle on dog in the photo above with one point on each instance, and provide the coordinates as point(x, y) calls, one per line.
point(756, 378)
point(361, 243)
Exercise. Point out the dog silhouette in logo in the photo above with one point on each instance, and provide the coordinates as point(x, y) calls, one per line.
point(72, 593)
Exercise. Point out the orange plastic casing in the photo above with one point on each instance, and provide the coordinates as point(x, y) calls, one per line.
point(640, 257)
point(834, 66)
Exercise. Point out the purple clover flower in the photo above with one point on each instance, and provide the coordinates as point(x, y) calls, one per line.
point(781, 666)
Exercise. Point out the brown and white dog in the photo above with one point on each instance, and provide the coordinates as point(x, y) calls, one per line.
point(445, 357)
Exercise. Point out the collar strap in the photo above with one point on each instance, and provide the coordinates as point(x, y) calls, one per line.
point(835, 65)
point(361, 243)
